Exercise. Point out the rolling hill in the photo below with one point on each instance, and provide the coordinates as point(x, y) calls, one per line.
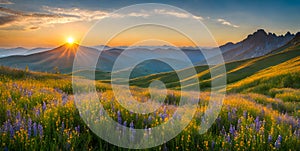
point(61, 59)
point(238, 71)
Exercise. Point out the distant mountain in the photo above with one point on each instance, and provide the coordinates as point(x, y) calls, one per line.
point(61, 57)
point(257, 44)
point(259, 73)
point(20, 51)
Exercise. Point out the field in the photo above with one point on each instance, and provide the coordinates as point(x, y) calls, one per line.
point(261, 110)
point(38, 113)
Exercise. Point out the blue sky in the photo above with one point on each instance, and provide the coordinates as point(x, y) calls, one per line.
point(223, 18)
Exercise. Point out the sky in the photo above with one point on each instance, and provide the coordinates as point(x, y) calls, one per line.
point(48, 23)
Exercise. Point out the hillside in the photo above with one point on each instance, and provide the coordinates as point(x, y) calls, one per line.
point(236, 70)
point(61, 58)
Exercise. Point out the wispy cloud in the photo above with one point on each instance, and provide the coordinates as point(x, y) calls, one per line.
point(225, 22)
point(77, 14)
point(11, 19)
point(176, 14)
point(7, 2)
point(19, 20)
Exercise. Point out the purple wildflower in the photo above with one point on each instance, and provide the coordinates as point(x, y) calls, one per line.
point(269, 138)
point(8, 113)
point(228, 139)
point(245, 114)
point(77, 129)
point(29, 93)
point(257, 123)
point(232, 130)
point(277, 144)
point(213, 145)
point(64, 99)
point(279, 138)
point(119, 117)
point(229, 116)
point(11, 131)
point(131, 125)
point(29, 127)
point(34, 129)
point(278, 141)
point(40, 128)
point(37, 112)
point(44, 107)
point(9, 100)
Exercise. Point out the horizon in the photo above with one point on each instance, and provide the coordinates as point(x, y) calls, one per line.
point(157, 45)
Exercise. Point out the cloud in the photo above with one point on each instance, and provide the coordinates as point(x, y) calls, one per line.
point(19, 20)
point(7, 2)
point(77, 14)
point(176, 14)
point(225, 22)
point(7, 19)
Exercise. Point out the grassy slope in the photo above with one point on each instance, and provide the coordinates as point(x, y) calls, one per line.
point(236, 71)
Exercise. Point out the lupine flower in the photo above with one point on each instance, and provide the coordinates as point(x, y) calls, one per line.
point(213, 145)
point(278, 141)
point(44, 107)
point(29, 127)
point(257, 123)
point(131, 125)
point(37, 112)
point(279, 138)
point(34, 129)
point(11, 131)
point(8, 113)
point(232, 129)
point(77, 129)
point(40, 128)
point(64, 99)
point(277, 144)
point(6, 126)
point(229, 115)
point(234, 112)
point(228, 138)
point(245, 114)
point(119, 117)
point(18, 117)
point(9, 100)
point(269, 138)
point(29, 93)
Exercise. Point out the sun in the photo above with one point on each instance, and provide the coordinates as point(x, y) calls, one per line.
point(70, 40)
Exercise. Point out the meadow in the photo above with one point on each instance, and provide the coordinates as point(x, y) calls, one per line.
point(37, 112)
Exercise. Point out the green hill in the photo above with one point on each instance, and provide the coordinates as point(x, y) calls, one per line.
point(236, 71)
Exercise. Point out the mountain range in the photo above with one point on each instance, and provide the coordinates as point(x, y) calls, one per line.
point(254, 45)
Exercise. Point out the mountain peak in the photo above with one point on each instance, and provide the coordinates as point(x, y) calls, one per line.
point(260, 32)
point(288, 34)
